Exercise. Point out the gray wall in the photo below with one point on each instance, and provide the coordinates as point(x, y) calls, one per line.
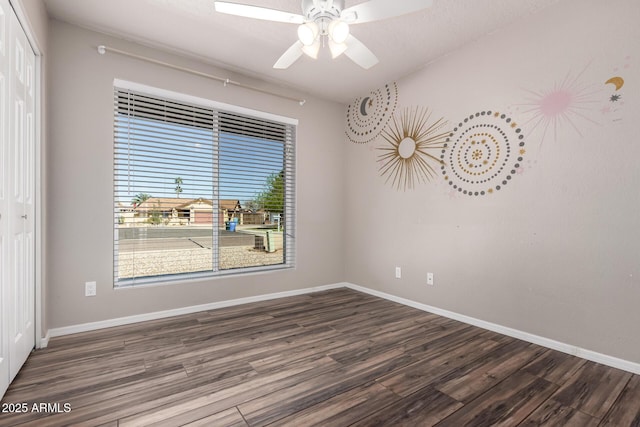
point(80, 163)
point(556, 252)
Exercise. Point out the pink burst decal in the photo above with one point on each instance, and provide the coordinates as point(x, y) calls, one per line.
point(568, 103)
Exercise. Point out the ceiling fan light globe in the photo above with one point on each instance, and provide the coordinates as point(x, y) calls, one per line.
point(307, 33)
point(338, 31)
point(312, 50)
point(336, 49)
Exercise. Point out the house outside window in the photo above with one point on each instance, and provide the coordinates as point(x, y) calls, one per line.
point(197, 185)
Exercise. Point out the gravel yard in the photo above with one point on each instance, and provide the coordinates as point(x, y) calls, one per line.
point(153, 263)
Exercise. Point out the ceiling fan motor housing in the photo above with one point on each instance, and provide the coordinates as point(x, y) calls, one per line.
point(322, 12)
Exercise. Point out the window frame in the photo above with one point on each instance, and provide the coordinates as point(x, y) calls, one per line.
point(289, 168)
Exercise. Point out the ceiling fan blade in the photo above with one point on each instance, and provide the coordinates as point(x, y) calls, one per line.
point(257, 12)
point(290, 56)
point(374, 10)
point(359, 53)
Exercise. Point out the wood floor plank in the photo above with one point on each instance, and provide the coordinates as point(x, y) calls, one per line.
point(270, 408)
point(116, 333)
point(336, 357)
point(127, 390)
point(92, 413)
point(341, 409)
point(249, 352)
point(471, 380)
point(506, 404)
point(229, 418)
point(213, 345)
point(253, 332)
point(462, 349)
point(553, 413)
point(82, 380)
point(555, 366)
point(426, 407)
point(89, 350)
point(426, 341)
point(626, 410)
point(224, 398)
point(439, 336)
point(94, 395)
point(593, 389)
point(210, 413)
point(314, 344)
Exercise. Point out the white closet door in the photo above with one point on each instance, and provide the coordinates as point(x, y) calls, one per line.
point(4, 204)
point(21, 207)
point(17, 186)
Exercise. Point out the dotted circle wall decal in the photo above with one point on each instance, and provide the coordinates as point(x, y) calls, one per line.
point(367, 116)
point(482, 154)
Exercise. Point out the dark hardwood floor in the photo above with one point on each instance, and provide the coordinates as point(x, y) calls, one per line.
point(333, 358)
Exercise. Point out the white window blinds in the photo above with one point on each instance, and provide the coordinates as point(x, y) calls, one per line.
point(199, 190)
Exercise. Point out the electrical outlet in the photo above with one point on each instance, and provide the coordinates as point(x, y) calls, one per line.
point(430, 279)
point(398, 273)
point(90, 289)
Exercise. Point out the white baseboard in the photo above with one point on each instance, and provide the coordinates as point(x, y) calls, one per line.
point(515, 333)
point(120, 321)
point(583, 353)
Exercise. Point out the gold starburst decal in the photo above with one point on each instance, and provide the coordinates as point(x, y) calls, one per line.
point(412, 145)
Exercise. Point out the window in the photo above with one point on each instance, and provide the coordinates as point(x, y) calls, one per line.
point(200, 188)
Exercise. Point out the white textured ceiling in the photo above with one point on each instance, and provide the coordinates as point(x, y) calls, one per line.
point(192, 27)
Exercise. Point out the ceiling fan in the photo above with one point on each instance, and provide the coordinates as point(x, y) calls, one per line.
point(327, 22)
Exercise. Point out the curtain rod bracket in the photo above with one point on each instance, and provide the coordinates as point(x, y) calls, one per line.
point(102, 49)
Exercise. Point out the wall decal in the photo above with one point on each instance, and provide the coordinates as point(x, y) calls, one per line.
point(367, 116)
point(483, 153)
point(412, 145)
point(614, 100)
point(569, 102)
point(615, 97)
point(618, 82)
